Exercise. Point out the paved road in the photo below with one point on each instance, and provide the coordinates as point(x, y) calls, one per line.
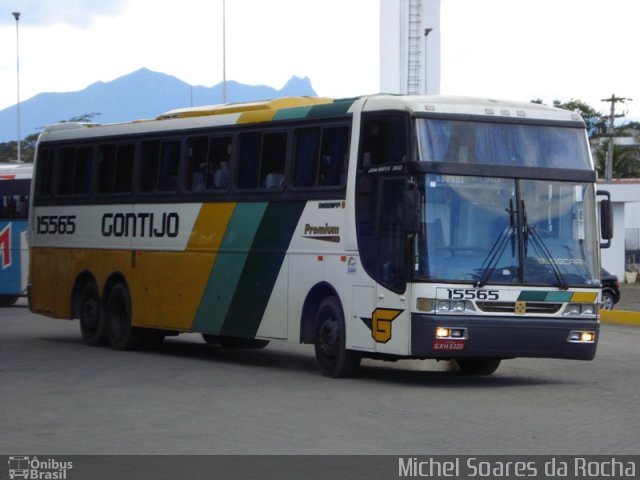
point(58, 396)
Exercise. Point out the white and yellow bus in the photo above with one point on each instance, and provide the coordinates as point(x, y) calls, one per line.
point(383, 226)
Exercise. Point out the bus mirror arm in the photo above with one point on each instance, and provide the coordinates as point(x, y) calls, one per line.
point(606, 218)
point(411, 209)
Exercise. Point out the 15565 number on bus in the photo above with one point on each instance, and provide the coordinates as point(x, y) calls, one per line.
point(472, 294)
point(56, 224)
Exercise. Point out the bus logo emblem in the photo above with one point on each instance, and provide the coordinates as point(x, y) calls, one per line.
point(520, 308)
point(381, 320)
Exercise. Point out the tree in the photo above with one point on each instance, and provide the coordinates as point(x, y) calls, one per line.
point(626, 161)
point(9, 150)
point(592, 118)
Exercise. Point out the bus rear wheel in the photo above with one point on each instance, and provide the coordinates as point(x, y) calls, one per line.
point(89, 311)
point(330, 336)
point(8, 300)
point(478, 366)
point(122, 335)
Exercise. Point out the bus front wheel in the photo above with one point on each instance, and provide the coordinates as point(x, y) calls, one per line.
point(478, 366)
point(330, 335)
point(122, 335)
point(89, 311)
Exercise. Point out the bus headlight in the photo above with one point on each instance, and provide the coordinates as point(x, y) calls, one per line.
point(454, 306)
point(451, 333)
point(580, 336)
point(582, 309)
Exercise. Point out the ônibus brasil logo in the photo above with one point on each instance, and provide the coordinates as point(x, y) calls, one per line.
point(5, 246)
point(33, 468)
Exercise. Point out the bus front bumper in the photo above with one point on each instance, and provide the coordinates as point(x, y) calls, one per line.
point(456, 336)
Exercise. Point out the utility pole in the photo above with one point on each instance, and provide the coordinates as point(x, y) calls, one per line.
point(16, 15)
point(608, 173)
point(224, 52)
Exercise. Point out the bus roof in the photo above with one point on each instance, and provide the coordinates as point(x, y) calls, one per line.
point(300, 108)
point(15, 171)
point(453, 105)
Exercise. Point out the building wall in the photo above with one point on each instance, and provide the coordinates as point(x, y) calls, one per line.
point(625, 195)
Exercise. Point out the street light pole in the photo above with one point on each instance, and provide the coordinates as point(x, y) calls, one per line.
point(427, 31)
point(16, 15)
point(224, 53)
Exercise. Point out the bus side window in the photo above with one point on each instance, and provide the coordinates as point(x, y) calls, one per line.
point(321, 156)
point(74, 171)
point(218, 175)
point(333, 156)
point(274, 151)
point(384, 139)
point(82, 173)
point(306, 157)
point(169, 167)
point(249, 160)
point(66, 160)
point(106, 168)
point(45, 173)
point(124, 169)
point(150, 161)
point(196, 163)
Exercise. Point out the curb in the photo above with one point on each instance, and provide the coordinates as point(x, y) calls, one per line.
point(620, 317)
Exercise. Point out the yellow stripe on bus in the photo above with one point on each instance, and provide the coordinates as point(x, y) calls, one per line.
point(584, 297)
point(181, 277)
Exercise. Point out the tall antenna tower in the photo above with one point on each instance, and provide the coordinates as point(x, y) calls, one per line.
point(410, 46)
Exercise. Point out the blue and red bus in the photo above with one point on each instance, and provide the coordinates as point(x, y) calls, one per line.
point(15, 181)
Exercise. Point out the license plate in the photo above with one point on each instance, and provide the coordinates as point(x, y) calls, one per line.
point(448, 345)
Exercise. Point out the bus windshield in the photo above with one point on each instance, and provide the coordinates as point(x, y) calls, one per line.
point(507, 231)
point(488, 143)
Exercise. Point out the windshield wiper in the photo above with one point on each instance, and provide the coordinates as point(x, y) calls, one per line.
point(541, 249)
point(498, 248)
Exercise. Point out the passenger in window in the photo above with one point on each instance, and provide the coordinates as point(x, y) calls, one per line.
point(222, 176)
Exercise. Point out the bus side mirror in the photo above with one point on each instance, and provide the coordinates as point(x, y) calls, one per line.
point(411, 209)
point(606, 218)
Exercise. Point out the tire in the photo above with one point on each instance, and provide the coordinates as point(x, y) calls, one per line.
point(122, 336)
point(607, 301)
point(478, 366)
point(332, 356)
point(211, 339)
point(8, 300)
point(88, 309)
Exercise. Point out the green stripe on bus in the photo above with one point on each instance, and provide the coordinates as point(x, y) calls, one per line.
point(293, 113)
point(532, 296)
point(227, 270)
point(537, 296)
point(335, 109)
point(559, 296)
point(261, 269)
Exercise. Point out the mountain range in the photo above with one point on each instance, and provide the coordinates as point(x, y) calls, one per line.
point(139, 95)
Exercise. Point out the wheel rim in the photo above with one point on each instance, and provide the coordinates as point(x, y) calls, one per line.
point(607, 302)
point(329, 339)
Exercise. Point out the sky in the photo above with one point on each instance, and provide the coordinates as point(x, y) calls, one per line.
point(511, 49)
